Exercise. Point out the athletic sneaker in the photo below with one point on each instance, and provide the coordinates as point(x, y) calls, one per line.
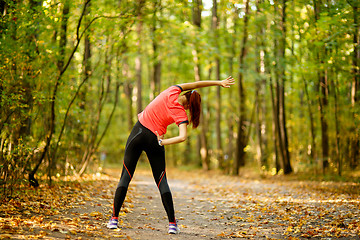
point(173, 228)
point(113, 222)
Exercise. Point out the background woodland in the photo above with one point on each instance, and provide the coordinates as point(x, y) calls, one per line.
point(74, 75)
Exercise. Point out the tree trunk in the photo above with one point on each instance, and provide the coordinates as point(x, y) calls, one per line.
point(81, 135)
point(155, 81)
point(311, 120)
point(3, 7)
point(242, 137)
point(138, 70)
point(275, 126)
point(60, 64)
point(3, 10)
point(309, 104)
point(323, 93)
point(204, 152)
point(196, 10)
point(128, 90)
point(282, 112)
point(123, 72)
point(275, 95)
point(337, 125)
point(279, 112)
point(231, 42)
point(323, 102)
point(355, 86)
point(260, 67)
point(87, 58)
point(63, 34)
point(87, 67)
point(214, 27)
point(138, 60)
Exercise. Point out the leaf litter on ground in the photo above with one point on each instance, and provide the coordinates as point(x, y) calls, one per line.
point(230, 207)
point(74, 209)
point(280, 208)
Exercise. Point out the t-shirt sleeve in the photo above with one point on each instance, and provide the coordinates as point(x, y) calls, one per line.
point(179, 116)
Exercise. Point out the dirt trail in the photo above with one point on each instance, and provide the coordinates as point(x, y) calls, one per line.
point(220, 207)
point(194, 212)
point(207, 206)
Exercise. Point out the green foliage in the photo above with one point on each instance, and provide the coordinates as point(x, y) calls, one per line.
point(30, 51)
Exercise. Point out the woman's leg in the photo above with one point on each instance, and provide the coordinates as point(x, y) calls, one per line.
point(156, 155)
point(133, 151)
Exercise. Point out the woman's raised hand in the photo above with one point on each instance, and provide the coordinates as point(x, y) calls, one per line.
point(228, 82)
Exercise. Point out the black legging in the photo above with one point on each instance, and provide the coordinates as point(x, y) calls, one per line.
point(142, 139)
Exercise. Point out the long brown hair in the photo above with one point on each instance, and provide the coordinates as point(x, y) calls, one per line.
point(194, 100)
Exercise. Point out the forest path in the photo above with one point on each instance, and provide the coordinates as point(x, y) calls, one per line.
point(208, 205)
point(213, 206)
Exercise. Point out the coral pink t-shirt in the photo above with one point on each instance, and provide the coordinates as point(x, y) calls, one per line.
point(163, 111)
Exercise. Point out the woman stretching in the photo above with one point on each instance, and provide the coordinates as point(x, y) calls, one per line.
point(148, 135)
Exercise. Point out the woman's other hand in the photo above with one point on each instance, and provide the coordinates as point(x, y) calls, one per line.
point(228, 82)
point(158, 136)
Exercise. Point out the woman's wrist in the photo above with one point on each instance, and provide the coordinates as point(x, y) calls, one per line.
point(160, 142)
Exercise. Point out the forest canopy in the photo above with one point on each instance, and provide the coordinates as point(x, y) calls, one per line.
point(75, 74)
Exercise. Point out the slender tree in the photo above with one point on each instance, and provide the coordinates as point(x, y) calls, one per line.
point(282, 79)
point(279, 113)
point(231, 43)
point(242, 137)
point(355, 85)
point(138, 60)
point(260, 66)
point(323, 90)
point(215, 30)
point(155, 81)
point(204, 152)
point(63, 33)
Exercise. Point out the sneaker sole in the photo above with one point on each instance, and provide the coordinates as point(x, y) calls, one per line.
point(111, 227)
point(174, 231)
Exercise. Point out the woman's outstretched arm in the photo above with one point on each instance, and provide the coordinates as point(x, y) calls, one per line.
point(201, 84)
